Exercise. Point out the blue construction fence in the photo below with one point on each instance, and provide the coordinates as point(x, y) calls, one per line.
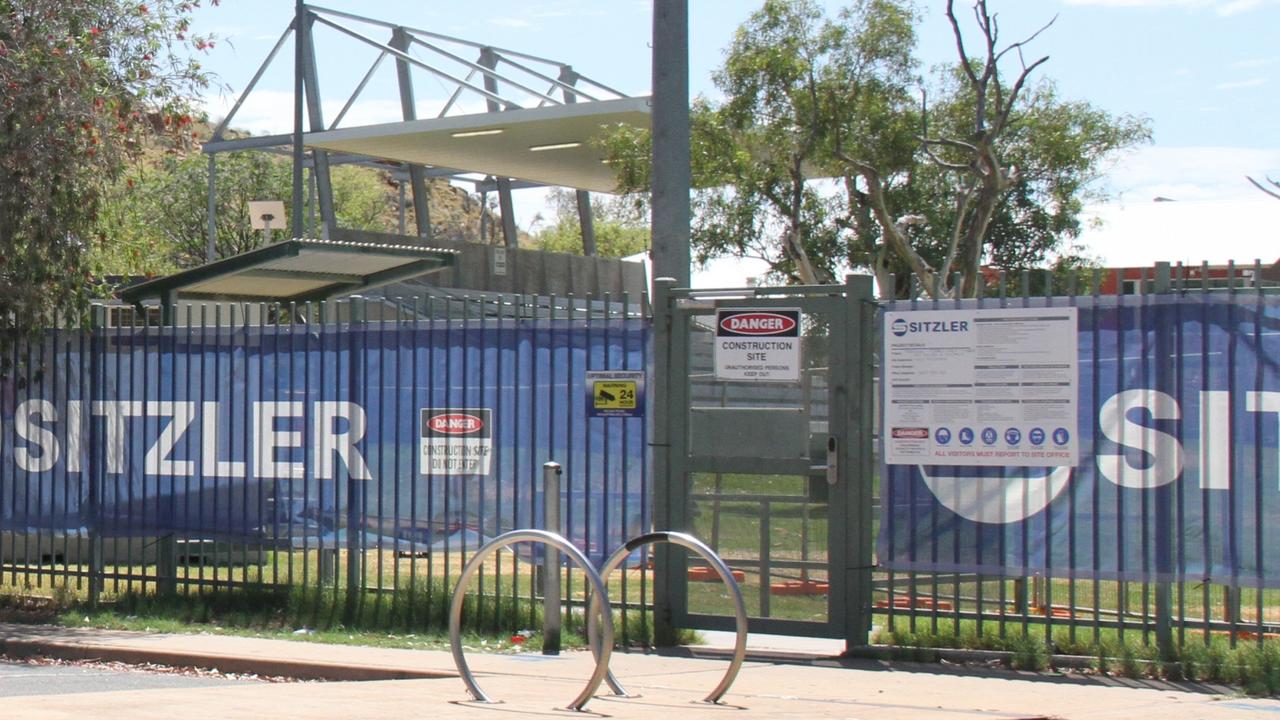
point(259, 440)
point(1169, 516)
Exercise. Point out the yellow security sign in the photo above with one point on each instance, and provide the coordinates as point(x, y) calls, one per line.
point(615, 393)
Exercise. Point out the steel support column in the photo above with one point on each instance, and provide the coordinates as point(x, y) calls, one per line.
point(417, 178)
point(489, 59)
point(585, 221)
point(315, 118)
point(671, 175)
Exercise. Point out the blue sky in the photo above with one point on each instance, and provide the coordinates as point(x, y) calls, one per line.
point(1206, 73)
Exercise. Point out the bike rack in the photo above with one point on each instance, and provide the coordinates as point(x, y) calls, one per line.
point(600, 598)
point(726, 575)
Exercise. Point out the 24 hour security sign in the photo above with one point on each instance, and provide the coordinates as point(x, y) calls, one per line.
point(760, 344)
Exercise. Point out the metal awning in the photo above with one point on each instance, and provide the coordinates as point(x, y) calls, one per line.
point(553, 145)
point(295, 270)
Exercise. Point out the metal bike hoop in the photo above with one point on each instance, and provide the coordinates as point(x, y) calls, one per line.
point(739, 605)
point(599, 597)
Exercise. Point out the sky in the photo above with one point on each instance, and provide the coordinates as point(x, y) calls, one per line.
point(1206, 73)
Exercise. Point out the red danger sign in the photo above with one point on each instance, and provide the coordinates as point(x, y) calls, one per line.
point(455, 424)
point(456, 441)
point(911, 433)
point(756, 323)
point(758, 344)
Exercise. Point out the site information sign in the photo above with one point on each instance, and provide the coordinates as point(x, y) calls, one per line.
point(456, 441)
point(761, 344)
point(981, 387)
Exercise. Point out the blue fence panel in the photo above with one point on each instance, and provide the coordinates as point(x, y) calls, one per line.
point(1179, 472)
point(311, 435)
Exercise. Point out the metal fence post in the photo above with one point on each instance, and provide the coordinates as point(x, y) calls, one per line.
point(551, 613)
point(355, 488)
point(90, 394)
point(664, 485)
point(1165, 379)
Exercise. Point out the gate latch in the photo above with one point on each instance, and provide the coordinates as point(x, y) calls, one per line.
point(833, 461)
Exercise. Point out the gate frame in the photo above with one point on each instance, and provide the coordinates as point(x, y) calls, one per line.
point(850, 387)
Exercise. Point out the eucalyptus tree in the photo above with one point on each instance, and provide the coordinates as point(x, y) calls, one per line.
point(831, 151)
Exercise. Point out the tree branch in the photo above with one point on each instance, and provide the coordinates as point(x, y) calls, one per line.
point(955, 31)
point(894, 238)
point(1264, 188)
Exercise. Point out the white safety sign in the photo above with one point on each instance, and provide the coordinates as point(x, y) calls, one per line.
point(760, 344)
point(456, 441)
point(981, 387)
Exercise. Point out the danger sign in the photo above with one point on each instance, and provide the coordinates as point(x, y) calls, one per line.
point(456, 441)
point(761, 344)
point(615, 393)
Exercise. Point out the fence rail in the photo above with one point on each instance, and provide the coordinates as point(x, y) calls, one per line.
point(1165, 558)
point(360, 449)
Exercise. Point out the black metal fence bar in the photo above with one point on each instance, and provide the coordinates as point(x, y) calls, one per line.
point(354, 452)
point(1183, 587)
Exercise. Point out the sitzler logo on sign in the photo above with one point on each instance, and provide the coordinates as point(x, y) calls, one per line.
point(901, 326)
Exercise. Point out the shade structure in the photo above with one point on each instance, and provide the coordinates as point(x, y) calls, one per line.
point(295, 270)
point(550, 145)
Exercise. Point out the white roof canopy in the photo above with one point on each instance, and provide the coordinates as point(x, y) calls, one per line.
point(552, 145)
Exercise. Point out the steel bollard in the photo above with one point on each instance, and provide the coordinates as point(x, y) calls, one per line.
point(551, 612)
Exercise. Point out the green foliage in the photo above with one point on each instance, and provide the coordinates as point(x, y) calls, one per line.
point(85, 83)
point(830, 152)
point(1029, 653)
point(621, 229)
point(1253, 666)
point(155, 219)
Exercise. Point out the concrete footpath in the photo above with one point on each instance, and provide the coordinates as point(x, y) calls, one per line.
point(775, 683)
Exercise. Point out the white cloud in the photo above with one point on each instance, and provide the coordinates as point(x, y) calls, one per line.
point(1224, 8)
point(1237, 6)
point(1239, 84)
point(1213, 231)
point(1190, 173)
point(1216, 215)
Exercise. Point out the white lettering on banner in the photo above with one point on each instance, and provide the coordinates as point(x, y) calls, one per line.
point(73, 435)
point(1215, 438)
point(1164, 449)
point(157, 460)
point(115, 412)
point(327, 441)
point(38, 435)
point(210, 464)
point(270, 439)
point(337, 429)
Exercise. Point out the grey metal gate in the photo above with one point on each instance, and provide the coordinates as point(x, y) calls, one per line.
point(774, 474)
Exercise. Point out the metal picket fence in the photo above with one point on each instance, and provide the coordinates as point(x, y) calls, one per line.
point(359, 449)
point(1182, 561)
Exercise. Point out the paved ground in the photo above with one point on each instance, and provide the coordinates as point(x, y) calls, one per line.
point(17, 679)
point(533, 686)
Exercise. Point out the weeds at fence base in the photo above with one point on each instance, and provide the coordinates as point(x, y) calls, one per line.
point(404, 618)
point(1253, 666)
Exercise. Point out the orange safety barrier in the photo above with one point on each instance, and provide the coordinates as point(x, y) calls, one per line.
point(800, 587)
point(706, 574)
point(919, 602)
